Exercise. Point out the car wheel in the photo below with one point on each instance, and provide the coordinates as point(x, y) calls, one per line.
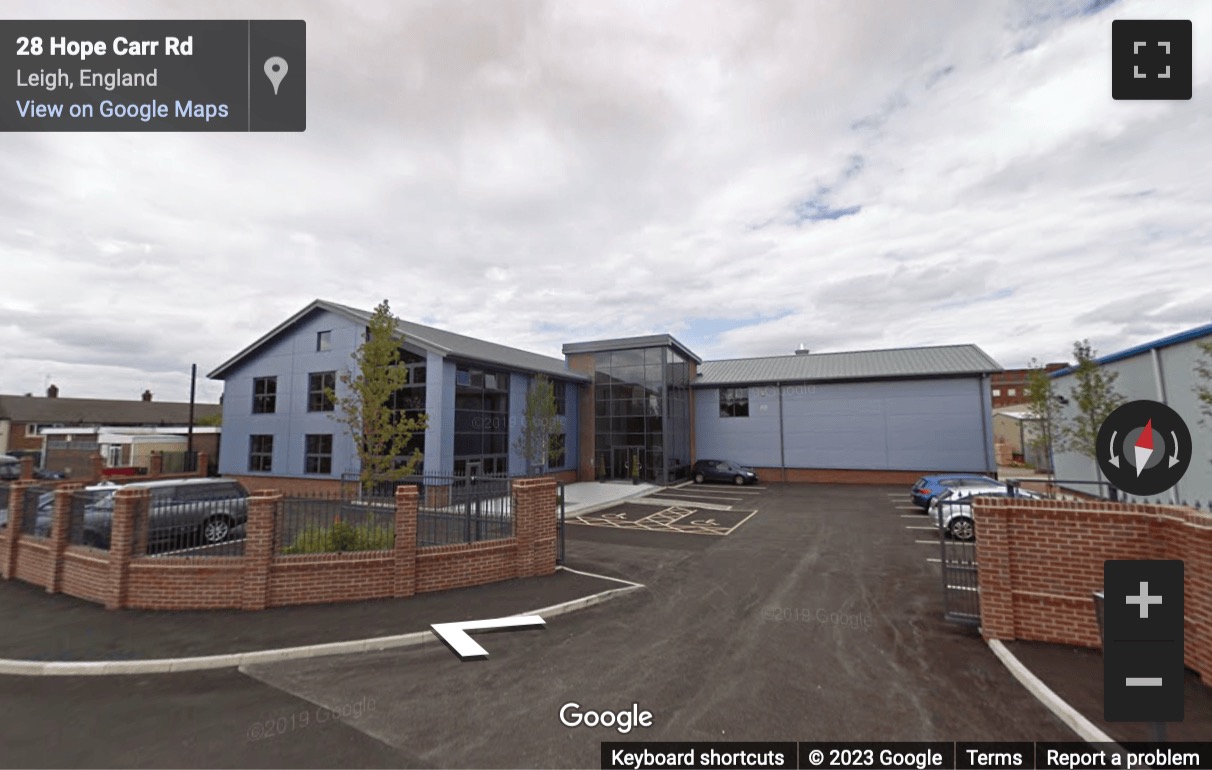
point(216, 529)
point(698, 478)
point(962, 529)
point(739, 481)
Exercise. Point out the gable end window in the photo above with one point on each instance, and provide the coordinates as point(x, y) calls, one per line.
point(317, 384)
point(734, 402)
point(323, 341)
point(265, 395)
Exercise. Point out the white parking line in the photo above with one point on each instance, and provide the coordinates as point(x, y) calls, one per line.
point(932, 529)
point(683, 493)
point(917, 516)
point(908, 508)
point(927, 542)
point(731, 489)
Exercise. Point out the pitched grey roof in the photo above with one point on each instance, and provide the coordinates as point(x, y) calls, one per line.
point(96, 411)
point(896, 363)
point(427, 337)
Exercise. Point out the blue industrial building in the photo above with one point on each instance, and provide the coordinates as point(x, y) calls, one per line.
point(641, 405)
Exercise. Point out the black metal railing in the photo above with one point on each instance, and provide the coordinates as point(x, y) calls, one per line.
point(4, 493)
point(39, 505)
point(90, 519)
point(204, 528)
point(560, 525)
point(332, 524)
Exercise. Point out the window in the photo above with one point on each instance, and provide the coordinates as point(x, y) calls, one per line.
point(265, 395)
point(317, 383)
point(734, 402)
point(997, 391)
point(318, 455)
point(1011, 392)
point(261, 453)
point(559, 450)
point(561, 401)
point(31, 430)
point(323, 341)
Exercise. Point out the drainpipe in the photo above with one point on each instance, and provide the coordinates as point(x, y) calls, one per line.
point(986, 409)
point(1160, 380)
point(782, 452)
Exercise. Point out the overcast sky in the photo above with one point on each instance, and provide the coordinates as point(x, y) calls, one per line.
point(747, 176)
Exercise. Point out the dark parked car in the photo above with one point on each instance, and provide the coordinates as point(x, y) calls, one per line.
point(180, 512)
point(723, 470)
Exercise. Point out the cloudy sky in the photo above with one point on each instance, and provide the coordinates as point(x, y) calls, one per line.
point(747, 176)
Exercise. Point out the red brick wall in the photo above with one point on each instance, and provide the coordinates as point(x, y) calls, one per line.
point(289, 486)
point(338, 577)
point(85, 573)
point(263, 578)
point(1041, 560)
point(34, 563)
point(440, 568)
point(175, 584)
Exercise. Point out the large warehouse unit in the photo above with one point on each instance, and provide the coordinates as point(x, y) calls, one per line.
point(875, 416)
point(644, 407)
point(1162, 370)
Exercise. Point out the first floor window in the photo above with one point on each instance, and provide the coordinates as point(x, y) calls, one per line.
point(318, 455)
point(261, 453)
point(265, 395)
point(734, 402)
point(318, 385)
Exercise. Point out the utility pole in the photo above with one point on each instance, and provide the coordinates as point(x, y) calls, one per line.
point(193, 384)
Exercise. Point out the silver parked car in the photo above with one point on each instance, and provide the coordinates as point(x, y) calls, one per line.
point(953, 509)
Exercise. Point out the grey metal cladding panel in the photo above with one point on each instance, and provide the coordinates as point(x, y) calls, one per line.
point(869, 364)
point(891, 425)
point(752, 440)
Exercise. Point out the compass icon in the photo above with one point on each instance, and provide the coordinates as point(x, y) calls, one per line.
point(1144, 448)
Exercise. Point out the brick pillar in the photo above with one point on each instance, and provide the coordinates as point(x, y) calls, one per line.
point(27, 468)
point(259, 547)
point(203, 464)
point(406, 541)
point(96, 468)
point(130, 508)
point(1197, 571)
point(60, 523)
point(535, 519)
point(155, 465)
point(993, 575)
point(16, 508)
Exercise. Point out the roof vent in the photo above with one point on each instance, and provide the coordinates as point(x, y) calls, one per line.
point(803, 351)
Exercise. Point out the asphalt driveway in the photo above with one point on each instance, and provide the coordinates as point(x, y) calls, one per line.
point(816, 620)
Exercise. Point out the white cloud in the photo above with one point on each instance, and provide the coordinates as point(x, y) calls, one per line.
point(841, 174)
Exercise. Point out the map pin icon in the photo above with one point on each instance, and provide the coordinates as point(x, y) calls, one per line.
point(275, 70)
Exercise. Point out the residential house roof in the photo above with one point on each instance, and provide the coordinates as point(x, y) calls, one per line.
point(97, 411)
point(894, 363)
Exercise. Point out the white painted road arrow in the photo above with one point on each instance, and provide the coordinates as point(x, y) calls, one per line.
point(455, 634)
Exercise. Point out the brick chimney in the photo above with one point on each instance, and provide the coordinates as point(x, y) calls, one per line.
point(52, 391)
point(147, 395)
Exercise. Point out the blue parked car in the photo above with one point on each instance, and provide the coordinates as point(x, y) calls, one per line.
point(927, 488)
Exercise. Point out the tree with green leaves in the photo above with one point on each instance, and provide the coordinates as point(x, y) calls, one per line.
point(536, 440)
point(1043, 408)
point(1203, 383)
point(1095, 398)
point(381, 433)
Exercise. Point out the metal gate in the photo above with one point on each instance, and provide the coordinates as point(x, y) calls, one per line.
point(961, 590)
point(560, 525)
